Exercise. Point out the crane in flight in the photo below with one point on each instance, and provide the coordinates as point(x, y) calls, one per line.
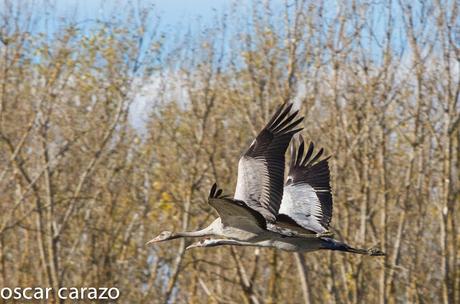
point(267, 212)
point(306, 204)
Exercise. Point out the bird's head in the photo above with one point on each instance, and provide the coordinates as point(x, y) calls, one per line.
point(164, 236)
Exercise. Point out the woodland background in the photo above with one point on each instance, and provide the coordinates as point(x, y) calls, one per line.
point(115, 131)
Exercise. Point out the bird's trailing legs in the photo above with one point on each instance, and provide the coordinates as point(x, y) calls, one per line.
point(332, 244)
point(325, 234)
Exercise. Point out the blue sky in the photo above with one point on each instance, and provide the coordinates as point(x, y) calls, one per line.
point(173, 13)
point(50, 15)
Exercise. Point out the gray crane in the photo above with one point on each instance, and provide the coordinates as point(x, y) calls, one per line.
point(306, 205)
point(295, 244)
point(265, 212)
point(252, 215)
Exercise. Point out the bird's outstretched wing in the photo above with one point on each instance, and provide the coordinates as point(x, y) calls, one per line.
point(307, 198)
point(261, 168)
point(235, 213)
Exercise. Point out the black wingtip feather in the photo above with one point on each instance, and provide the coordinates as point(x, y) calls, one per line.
point(293, 132)
point(288, 124)
point(317, 156)
point(291, 125)
point(309, 153)
point(279, 116)
point(277, 113)
point(300, 152)
point(297, 154)
point(213, 190)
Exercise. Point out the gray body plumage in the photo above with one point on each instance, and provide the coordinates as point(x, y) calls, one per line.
point(288, 244)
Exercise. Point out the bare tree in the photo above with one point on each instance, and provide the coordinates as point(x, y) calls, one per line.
point(84, 183)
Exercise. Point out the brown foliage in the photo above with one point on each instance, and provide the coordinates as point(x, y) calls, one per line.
point(82, 190)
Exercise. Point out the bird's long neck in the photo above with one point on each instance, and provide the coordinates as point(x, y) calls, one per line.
point(222, 242)
point(208, 231)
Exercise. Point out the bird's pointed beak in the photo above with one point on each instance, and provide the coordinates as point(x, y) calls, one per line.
point(193, 245)
point(152, 241)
